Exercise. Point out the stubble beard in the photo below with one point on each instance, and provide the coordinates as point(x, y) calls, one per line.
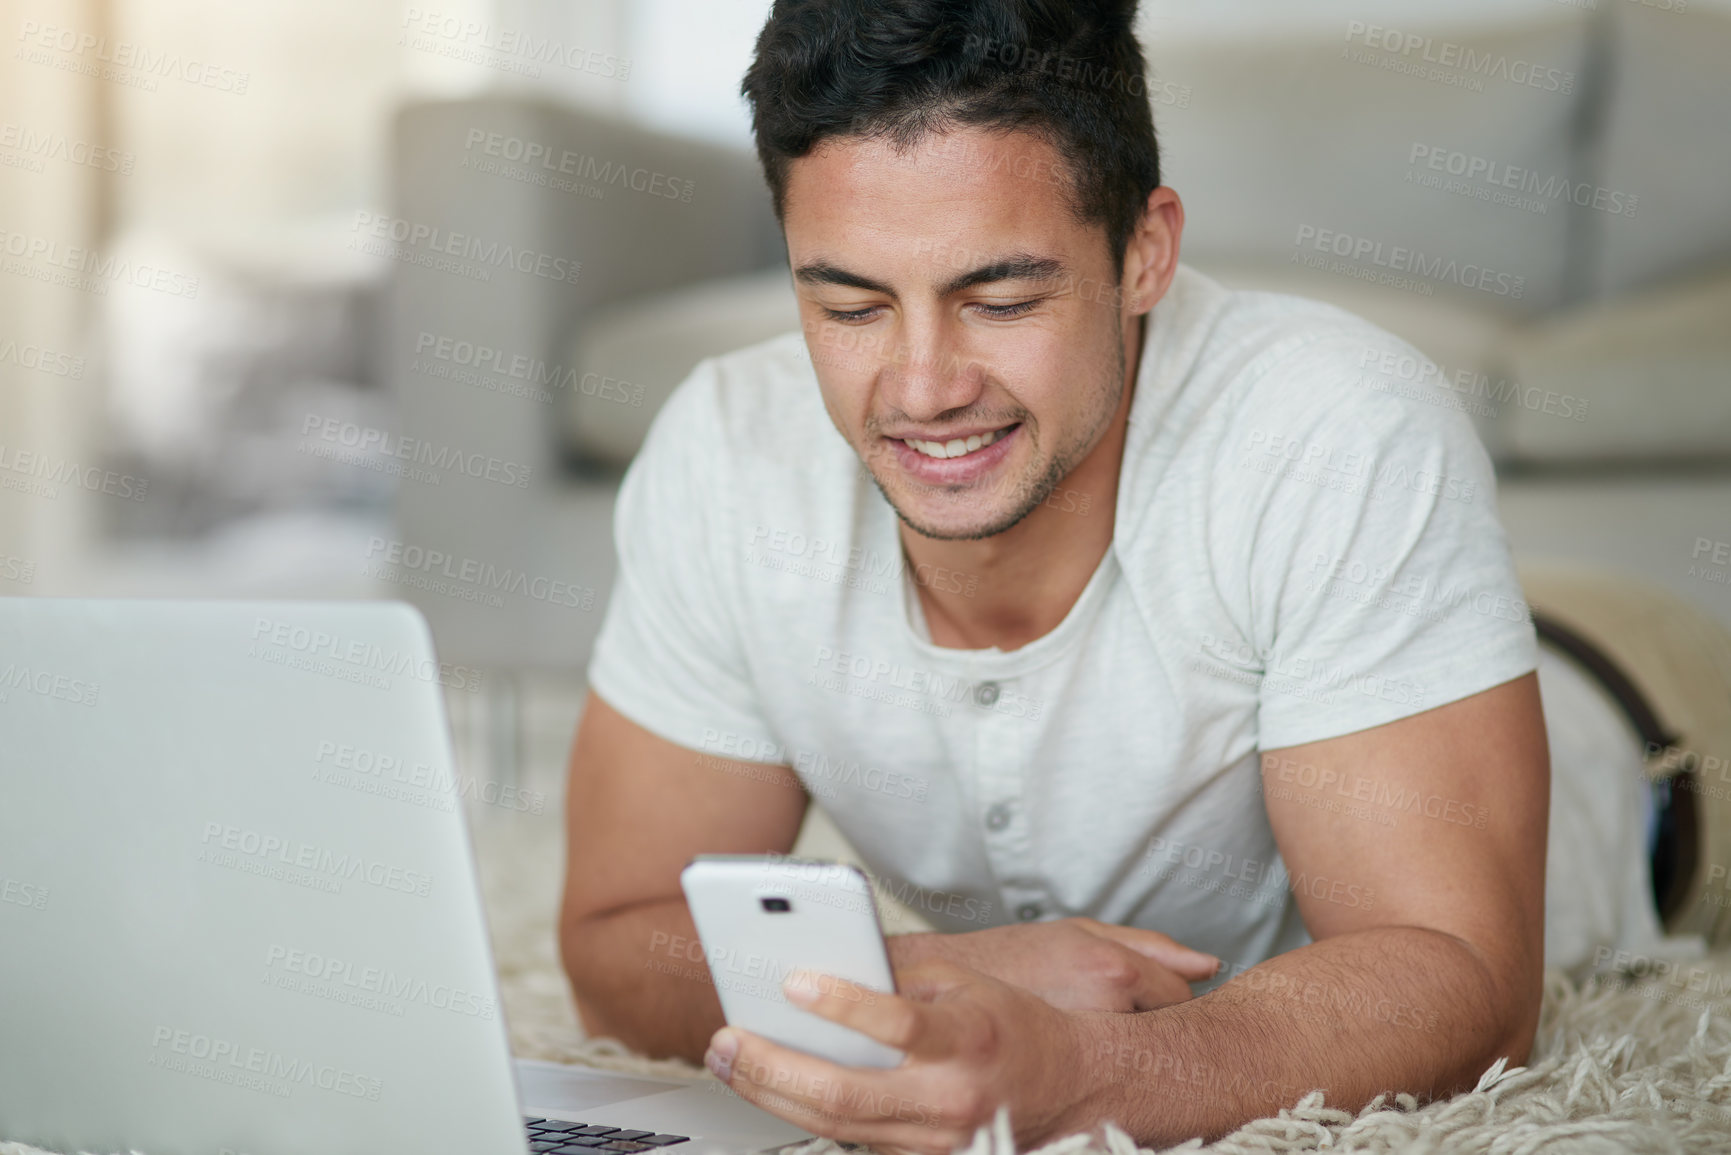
point(1031, 491)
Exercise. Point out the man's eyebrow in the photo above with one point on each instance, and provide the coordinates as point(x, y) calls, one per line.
point(1014, 267)
point(824, 273)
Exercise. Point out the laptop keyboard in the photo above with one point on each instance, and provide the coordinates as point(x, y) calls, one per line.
point(562, 1138)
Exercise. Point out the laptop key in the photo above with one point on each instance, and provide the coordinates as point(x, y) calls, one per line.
point(595, 1129)
point(556, 1126)
point(583, 1140)
point(629, 1134)
point(665, 1140)
point(624, 1145)
point(540, 1145)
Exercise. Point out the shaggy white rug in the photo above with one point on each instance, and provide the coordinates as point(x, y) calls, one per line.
point(1645, 1068)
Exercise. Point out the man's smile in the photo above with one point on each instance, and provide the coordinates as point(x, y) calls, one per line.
point(955, 460)
point(955, 444)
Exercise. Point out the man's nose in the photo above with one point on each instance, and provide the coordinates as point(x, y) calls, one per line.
point(926, 377)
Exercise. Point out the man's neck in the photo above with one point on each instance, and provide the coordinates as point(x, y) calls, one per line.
point(1016, 586)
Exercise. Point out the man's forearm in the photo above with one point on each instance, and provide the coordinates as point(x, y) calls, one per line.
point(1394, 1009)
point(640, 976)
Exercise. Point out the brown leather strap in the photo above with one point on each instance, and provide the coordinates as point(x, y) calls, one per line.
point(1677, 857)
point(1610, 675)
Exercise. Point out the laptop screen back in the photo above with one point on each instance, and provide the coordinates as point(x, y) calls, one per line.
point(238, 909)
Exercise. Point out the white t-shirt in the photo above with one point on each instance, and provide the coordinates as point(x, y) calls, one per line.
point(1300, 551)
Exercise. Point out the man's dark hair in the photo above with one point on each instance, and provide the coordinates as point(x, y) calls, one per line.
point(1070, 71)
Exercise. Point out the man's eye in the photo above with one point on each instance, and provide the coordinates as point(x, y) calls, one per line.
point(850, 315)
point(1015, 310)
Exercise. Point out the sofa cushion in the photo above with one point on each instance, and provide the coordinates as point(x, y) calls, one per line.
point(1666, 141)
point(1641, 378)
point(629, 357)
point(1313, 121)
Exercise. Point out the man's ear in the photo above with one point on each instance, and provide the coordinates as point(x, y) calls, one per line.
point(1151, 257)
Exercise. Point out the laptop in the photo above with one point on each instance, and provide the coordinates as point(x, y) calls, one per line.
point(226, 925)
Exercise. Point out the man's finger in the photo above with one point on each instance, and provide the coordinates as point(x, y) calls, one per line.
point(1158, 986)
point(1192, 965)
point(850, 1104)
point(892, 1019)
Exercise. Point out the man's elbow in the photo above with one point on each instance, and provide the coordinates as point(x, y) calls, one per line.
point(588, 986)
point(608, 989)
point(1520, 1030)
point(1511, 1016)
point(1509, 1037)
point(1502, 999)
point(589, 993)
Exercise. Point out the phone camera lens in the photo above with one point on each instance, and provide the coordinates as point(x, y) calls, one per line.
point(776, 905)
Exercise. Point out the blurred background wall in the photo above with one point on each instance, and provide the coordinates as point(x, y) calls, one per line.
point(314, 298)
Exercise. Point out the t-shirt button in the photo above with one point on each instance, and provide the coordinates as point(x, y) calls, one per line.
point(986, 693)
point(998, 817)
point(1029, 911)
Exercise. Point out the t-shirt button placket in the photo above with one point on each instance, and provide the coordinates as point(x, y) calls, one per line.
point(1002, 757)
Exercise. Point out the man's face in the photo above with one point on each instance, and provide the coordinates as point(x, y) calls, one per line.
point(967, 330)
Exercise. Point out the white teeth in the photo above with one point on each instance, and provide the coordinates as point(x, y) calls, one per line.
point(956, 448)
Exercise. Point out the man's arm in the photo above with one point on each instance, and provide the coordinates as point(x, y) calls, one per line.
point(1418, 990)
point(637, 808)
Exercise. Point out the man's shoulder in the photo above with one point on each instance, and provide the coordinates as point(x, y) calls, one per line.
point(1284, 417)
point(1241, 335)
point(1261, 358)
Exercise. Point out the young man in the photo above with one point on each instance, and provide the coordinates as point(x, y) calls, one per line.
point(1118, 618)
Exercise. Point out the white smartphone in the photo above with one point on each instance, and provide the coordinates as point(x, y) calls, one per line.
point(762, 917)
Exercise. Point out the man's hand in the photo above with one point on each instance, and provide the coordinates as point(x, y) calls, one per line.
point(1075, 964)
point(971, 1042)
